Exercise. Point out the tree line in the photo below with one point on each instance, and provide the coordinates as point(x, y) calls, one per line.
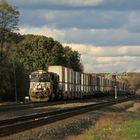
point(22, 54)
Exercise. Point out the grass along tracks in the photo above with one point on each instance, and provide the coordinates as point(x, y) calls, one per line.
point(18, 124)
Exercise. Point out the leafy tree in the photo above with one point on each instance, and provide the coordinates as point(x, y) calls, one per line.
point(28, 52)
point(37, 52)
point(57, 56)
point(134, 80)
point(6, 75)
point(8, 23)
point(73, 59)
point(32, 53)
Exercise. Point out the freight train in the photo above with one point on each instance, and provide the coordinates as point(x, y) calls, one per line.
point(60, 82)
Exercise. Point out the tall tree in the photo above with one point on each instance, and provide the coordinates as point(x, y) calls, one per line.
point(73, 59)
point(9, 16)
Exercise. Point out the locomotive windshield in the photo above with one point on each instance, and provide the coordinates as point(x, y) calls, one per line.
point(43, 77)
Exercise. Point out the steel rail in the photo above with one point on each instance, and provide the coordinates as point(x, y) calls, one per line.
point(11, 126)
point(12, 107)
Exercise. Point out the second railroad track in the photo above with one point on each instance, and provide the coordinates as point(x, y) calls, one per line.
point(18, 124)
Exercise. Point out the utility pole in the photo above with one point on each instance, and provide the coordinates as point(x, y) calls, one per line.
point(15, 82)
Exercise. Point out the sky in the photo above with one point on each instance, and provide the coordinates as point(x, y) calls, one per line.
point(105, 32)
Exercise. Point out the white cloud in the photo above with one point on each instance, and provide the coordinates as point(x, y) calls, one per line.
point(45, 31)
point(104, 51)
point(104, 37)
point(95, 58)
point(82, 2)
point(109, 59)
point(60, 2)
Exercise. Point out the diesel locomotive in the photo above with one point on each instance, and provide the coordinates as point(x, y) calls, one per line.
point(43, 85)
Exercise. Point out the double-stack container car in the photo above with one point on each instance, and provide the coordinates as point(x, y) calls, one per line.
point(60, 82)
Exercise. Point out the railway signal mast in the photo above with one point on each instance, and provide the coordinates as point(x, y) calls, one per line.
point(117, 76)
point(115, 92)
point(114, 77)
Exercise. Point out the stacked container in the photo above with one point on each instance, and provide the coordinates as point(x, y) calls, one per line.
point(72, 84)
point(82, 83)
point(78, 84)
point(100, 83)
point(94, 84)
point(67, 83)
point(68, 80)
point(60, 70)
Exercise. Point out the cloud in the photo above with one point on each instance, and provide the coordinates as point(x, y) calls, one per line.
point(133, 22)
point(120, 5)
point(78, 4)
point(55, 4)
point(105, 32)
point(74, 19)
point(86, 19)
point(96, 58)
point(49, 32)
point(98, 37)
point(103, 37)
point(108, 59)
point(100, 51)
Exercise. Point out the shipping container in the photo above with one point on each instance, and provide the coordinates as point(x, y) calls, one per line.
point(67, 77)
point(60, 70)
point(71, 76)
point(78, 77)
point(82, 79)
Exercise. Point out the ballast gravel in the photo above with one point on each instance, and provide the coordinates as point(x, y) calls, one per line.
point(59, 130)
point(63, 129)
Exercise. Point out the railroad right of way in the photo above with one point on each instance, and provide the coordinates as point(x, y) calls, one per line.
point(11, 126)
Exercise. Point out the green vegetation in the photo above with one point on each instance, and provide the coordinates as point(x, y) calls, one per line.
point(120, 126)
point(22, 54)
point(8, 23)
point(134, 80)
point(132, 129)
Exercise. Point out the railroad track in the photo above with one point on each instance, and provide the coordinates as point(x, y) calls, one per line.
point(21, 106)
point(18, 106)
point(18, 124)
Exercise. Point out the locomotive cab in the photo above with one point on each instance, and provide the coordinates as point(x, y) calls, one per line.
point(43, 85)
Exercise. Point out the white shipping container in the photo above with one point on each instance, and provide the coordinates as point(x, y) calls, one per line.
point(60, 70)
point(71, 76)
point(85, 87)
point(67, 88)
point(67, 80)
point(78, 88)
point(82, 79)
point(73, 90)
point(78, 77)
point(95, 81)
point(82, 88)
point(86, 79)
